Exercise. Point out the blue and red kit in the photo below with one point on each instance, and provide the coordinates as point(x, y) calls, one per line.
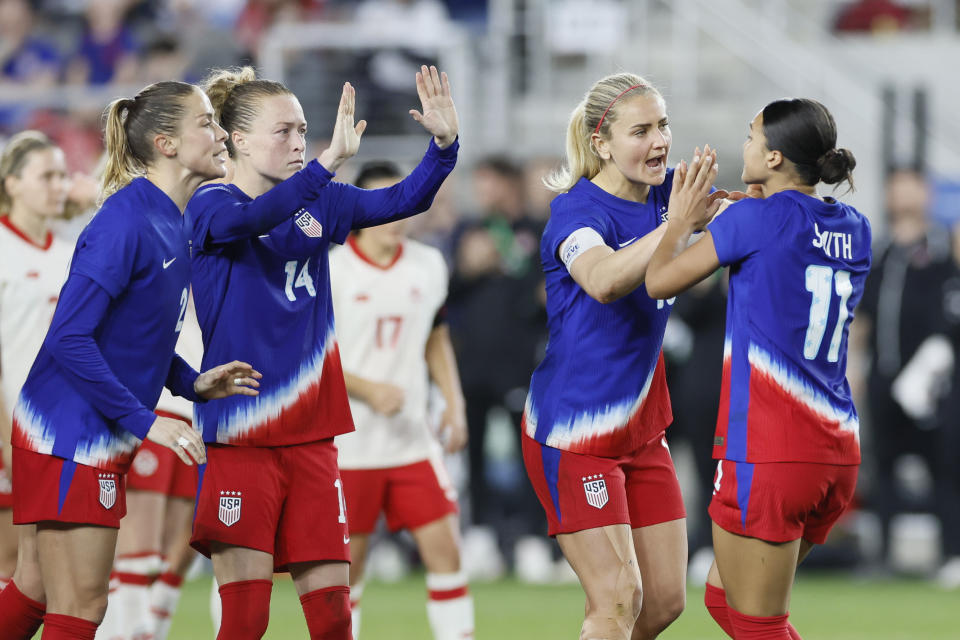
point(262, 289)
point(797, 270)
point(601, 388)
point(90, 394)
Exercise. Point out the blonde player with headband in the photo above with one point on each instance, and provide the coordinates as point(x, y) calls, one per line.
point(594, 425)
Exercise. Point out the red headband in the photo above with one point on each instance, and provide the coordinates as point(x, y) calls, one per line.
point(636, 86)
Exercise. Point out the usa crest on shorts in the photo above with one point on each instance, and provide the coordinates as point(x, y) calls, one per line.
point(108, 490)
point(229, 512)
point(595, 487)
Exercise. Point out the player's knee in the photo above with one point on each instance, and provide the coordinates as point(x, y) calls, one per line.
point(664, 611)
point(623, 602)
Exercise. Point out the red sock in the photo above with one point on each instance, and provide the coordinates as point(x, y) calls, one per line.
point(716, 600)
point(246, 609)
point(58, 627)
point(328, 613)
point(20, 616)
point(758, 628)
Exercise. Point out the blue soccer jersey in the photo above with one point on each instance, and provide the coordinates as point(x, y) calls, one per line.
point(265, 299)
point(601, 387)
point(110, 349)
point(797, 270)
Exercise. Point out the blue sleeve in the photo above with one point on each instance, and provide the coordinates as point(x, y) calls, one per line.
point(180, 379)
point(345, 207)
point(740, 231)
point(567, 215)
point(82, 306)
point(219, 218)
point(107, 249)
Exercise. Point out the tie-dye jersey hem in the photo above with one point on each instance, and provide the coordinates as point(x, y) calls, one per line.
point(311, 406)
point(108, 451)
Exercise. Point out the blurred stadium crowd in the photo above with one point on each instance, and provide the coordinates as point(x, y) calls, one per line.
point(906, 336)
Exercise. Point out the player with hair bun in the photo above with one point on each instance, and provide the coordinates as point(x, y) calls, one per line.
point(787, 438)
point(270, 498)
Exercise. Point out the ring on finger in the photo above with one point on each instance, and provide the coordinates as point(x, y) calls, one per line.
point(182, 442)
point(238, 381)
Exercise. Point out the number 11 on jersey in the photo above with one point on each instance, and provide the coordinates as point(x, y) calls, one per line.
point(822, 282)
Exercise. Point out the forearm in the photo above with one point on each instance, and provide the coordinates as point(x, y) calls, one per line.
point(6, 433)
point(181, 378)
point(70, 341)
point(619, 273)
point(675, 239)
point(412, 195)
point(442, 366)
point(246, 220)
point(357, 387)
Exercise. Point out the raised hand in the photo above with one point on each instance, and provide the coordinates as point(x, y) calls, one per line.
point(346, 136)
point(690, 199)
point(233, 378)
point(180, 438)
point(439, 115)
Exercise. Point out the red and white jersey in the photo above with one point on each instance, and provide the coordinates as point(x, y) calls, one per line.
point(190, 348)
point(31, 277)
point(384, 318)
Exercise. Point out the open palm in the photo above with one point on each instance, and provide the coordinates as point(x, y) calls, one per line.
point(439, 116)
point(346, 135)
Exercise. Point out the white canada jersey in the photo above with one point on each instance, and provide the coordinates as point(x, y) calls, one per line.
point(190, 348)
point(31, 277)
point(384, 318)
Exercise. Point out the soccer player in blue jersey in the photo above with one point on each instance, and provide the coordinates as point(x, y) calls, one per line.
point(271, 496)
point(787, 432)
point(593, 442)
point(87, 402)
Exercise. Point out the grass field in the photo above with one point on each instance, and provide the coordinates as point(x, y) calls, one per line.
point(825, 607)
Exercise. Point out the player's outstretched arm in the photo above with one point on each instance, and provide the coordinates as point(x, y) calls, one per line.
point(675, 266)
point(345, 140)
point(439, 115)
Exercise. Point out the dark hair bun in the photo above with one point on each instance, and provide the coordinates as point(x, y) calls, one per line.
point(835, 165)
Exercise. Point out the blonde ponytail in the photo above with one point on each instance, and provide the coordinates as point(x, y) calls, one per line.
point(130, 126)
point(595, 113)
point(121, 167)
point(236, 95)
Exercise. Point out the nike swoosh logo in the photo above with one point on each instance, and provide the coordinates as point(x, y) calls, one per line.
point(346, 539)
point(623, 244)
point(167, 263)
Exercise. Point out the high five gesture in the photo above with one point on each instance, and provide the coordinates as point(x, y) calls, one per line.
point(346, 135)
point(439, 115)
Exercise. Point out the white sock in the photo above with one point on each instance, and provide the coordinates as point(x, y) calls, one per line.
point(128, 614)
point(164, 596)
point(216, 607)
point(356, 592)
point(449, 606)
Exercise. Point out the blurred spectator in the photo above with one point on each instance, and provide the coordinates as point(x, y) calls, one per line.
point(258, 16)
point(904, 322)
point(497, 322)
point(108, 50)
point(873, 16)
point(163, 59)
point(25, 58)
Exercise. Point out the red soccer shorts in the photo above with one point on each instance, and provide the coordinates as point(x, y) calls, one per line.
point(286, 501)
point(6, 485)
point(585, 492)
point(781, 501)
point(410, 496)
point(157, 468)
point(53, 489)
